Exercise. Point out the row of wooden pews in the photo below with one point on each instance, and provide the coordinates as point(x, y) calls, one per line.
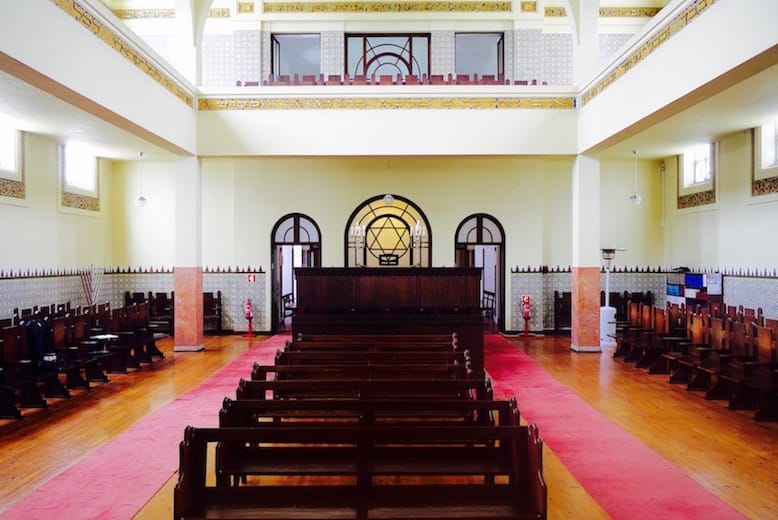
point(728, 356)
point(47, 354)
point(363, 427)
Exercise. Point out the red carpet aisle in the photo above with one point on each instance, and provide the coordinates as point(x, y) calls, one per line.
point(117, 479)
point(623, 475)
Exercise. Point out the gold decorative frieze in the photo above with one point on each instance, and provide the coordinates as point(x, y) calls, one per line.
point(610, 12)
point(387, 103)
point(11, 188)
point(78, 12)
point(385, 7)
point(144, 14)
point(629, 12)
point(693, 200)
point(85, 202)
point(529, 7)
point(245, 7)
point(150, 14)
point(667, 31)
point(554, 12)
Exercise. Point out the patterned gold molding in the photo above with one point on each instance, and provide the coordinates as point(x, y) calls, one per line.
point(143, 14)
point(389, 103)
point(78, 12)
point(385, 7)
point(668, 30)
point(693, 200)
point(529, 7)
point(610, 12)
point(245, 7)
point(74, 200)
point(11, 188)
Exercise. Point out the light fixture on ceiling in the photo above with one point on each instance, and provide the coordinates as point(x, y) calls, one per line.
point(141, 200)
point(635, 197)
point(388, 198)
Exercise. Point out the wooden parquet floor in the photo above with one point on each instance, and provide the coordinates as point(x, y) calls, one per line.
point(726, 451)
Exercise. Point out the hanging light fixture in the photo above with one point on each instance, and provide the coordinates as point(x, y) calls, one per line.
point(141, 200)
point(635, 197)
point(388, 198)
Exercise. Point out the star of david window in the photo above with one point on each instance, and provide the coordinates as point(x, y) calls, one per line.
point(387, 235)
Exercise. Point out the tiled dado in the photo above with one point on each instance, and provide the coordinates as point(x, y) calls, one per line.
point(28, 291)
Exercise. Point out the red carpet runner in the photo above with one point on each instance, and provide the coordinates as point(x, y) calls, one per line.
point(625, 477)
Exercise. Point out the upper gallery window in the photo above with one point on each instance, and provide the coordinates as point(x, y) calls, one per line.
point(79, 169)
point(295, 54)
point(480, 53)
point(387, 54)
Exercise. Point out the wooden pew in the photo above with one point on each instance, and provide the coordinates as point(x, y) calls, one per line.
point(361, 372)
point(17, 380)
point(235, 464)
point(375, 389)
point(367, 357)
point(515, 451)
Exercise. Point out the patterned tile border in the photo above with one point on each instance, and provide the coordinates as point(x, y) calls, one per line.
point(85, 202)
point(764, 186)
point(11, 188)
point(668, 30)
point(386, 7)
point(245, 7)
point(82, 15)
point(529, 7)
point(693, 200)
point(610, 12)
point(344, 103)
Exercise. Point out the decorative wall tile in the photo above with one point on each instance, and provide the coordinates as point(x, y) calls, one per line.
point(610, 44)
point(333, 52)
point(217, 55)
point(442, 52)
point(246, 58)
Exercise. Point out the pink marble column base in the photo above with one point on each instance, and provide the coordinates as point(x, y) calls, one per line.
point(585, 333)
point(188, 285)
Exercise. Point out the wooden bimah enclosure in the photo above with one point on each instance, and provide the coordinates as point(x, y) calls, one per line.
point(440, 300)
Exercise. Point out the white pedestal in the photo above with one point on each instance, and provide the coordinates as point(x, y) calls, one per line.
point(607, 327)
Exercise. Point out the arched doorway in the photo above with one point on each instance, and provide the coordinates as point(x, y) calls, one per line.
point(387, 231)
point(480, 242)
point(295, 242)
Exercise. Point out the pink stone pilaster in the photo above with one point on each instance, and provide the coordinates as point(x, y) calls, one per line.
point(585, 326)
point(188, 284)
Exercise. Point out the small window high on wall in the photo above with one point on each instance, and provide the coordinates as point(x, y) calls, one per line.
point(698, 165)
point(79, 169)
point(769, 146)
point(10, 153)
point(295, 54)
point(387, 54)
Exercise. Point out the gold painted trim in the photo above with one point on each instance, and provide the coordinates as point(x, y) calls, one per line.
point(85, 202)
point(143, 14)
point(389, 103)
point(245, 7)
point(529, 7)
point(385, 7)
point(11, 188)
point(149, 14)
point(608, 12)
point(79, 13)
point(668, 30)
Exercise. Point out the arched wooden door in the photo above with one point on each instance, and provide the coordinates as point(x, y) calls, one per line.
point(295, 242)
point(480, 242)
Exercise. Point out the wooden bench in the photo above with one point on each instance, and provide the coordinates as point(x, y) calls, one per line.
point(364, 455)
point(367, 357)
point(236, 464)
point(370, 389)
point(212, 311)
point(361, 372)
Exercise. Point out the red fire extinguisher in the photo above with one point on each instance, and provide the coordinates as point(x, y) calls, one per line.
point(248, 309)
point(525, 312)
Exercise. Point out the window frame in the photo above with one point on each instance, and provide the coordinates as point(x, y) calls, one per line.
point(16, 172)
point(500, 49)
point(67, 185)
